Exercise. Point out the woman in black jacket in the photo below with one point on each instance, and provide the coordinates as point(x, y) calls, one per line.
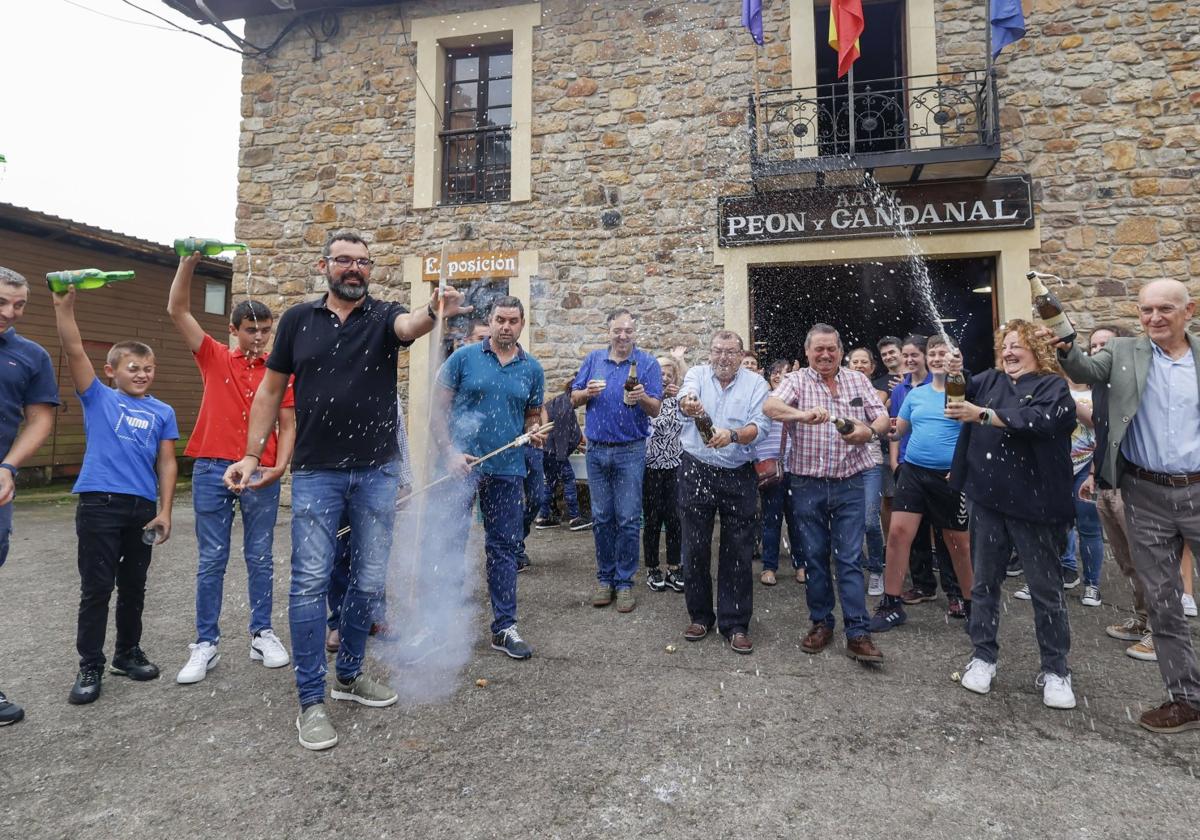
point(1013, 462)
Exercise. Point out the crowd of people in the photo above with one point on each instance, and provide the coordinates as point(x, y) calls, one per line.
point(891, 479)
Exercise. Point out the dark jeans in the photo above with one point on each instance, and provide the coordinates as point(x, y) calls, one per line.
point(111, 553)
point(660, 506)
point(534, 491)
point(776, 511)
point(1039, 545)
point(559, 471)
point(830, 516)
point(921, 563)
point(704, 492)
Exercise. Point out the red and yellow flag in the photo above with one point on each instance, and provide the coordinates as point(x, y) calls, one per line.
point(846, 24)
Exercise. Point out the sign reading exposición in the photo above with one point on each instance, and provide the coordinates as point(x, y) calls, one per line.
point(471, 266)
point(990, 204)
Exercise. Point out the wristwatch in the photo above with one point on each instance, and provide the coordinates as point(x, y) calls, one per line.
point(429, 310)
point(733, 435)
point(985, 417)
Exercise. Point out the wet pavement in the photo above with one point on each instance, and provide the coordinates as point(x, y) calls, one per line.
point(604, 732)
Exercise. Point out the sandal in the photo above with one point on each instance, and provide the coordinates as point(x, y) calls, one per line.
point(767, 578)
point(801, 578)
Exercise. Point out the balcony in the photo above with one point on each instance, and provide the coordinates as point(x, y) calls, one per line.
point(476, 164)
point(908, 129)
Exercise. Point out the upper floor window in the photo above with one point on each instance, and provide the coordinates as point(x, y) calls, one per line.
point(477, 133)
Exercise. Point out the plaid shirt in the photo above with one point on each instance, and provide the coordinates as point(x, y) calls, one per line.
point(819, 451)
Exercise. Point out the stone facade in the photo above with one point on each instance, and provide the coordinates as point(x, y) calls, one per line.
point(640, 107)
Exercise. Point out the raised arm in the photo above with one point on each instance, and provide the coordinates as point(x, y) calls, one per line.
point(412, 325)
point(78, 363)
point(179, 303)
point(1092, 370)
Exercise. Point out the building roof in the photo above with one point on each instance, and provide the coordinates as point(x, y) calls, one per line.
point(56, 228)
point(239, 9)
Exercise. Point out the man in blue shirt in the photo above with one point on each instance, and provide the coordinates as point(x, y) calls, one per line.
point(491, 392)
point(717, 475)
point(616, 427)
point(1153, 456)
point(28, 393)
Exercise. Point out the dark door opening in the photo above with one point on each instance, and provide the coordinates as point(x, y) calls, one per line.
point(879, 118)
point(866, 301)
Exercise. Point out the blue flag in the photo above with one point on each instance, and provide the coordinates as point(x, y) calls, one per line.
point(1008, 23)
point(752, 19)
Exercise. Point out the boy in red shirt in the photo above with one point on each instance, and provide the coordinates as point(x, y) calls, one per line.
point(231, 379)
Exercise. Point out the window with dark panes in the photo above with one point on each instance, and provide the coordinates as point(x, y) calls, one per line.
point(477, 135)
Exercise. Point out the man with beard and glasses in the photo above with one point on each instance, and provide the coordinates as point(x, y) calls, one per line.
point(342, 349)
point(489, 394)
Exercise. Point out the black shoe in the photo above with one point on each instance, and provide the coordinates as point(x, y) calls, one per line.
point(9, 712)
point(673, 580)
point(543, 522)
point(655, 579)
point(87, 685)
point(522, 564)
point(1014, 566)
point(133, 664)
point(579, 523)
point(1070, 579)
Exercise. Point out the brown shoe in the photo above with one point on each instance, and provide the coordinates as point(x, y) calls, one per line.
point(1170, 717)
point(332, 641)
point(801, 577)
point(862, 649)
point(741, 643)
point(767, 578)
point(818, 639)
point(695, 632)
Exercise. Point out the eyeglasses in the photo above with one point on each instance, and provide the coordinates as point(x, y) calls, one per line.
point(346, 262)
point(725, 353)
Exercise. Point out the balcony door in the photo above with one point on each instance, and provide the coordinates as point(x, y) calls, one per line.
point(879, 103)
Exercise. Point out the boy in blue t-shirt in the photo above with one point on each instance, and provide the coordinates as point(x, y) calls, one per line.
point(128, 465)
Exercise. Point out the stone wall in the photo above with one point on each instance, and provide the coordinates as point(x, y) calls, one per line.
point(640, 107)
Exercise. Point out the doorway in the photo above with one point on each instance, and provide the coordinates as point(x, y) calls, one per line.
point(866, 301)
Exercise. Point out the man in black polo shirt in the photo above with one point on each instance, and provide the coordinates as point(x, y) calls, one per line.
point(342, 349)
point(27, 393)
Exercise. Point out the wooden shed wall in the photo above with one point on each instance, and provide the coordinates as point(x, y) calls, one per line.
point(135, 309)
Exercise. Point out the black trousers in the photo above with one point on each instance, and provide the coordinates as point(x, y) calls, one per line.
point(921, 563)
point(111, 554)
point(660, 506)
point(704, 493)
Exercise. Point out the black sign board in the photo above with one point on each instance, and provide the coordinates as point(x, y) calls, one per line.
point(842, 213)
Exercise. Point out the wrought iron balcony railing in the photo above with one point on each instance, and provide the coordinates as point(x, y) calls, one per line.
point(476, 164)
point(907, 122)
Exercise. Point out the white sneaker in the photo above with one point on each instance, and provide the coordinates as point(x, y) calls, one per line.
point(1022, 594)
point(202, 659)
point(875, 584)
point(1056, 690)
point(1091, 596)
point(267, 648)
point(1189, 605)
point(978, 676)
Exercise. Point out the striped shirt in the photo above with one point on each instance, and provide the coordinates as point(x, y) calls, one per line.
point(819, 451)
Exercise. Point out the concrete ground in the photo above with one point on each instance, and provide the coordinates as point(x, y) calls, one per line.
point(604, 732)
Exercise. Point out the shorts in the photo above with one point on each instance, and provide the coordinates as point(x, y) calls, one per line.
point(925, 491)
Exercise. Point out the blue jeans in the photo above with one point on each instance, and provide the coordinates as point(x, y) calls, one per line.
point(501, 500)
point(319, 498)
point(534, 492)
point(775, 509)
point(1087, 525)
point(558, 471)
point(615, 483)
point(214, 525)
point(339, 580)
point(872, 558)
point(5, 530)
point(829, 514)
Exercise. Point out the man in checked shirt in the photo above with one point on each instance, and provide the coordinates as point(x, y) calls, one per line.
point(825, 483)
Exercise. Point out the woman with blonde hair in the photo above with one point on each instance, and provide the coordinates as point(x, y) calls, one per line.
point(1013, 462)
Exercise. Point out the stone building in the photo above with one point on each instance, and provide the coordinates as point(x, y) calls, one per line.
point(647, 154)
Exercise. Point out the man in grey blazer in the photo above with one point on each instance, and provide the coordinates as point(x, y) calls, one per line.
point(1153, 456)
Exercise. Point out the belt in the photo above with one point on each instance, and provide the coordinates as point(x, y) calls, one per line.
point(1166, 479)
point(606, 443)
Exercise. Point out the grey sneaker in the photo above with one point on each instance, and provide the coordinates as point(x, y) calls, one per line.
point(602, 596)
point(363, 689)
point(625, 600)
point(316, 732)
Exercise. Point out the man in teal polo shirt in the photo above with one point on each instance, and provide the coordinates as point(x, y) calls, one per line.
point(491, 393)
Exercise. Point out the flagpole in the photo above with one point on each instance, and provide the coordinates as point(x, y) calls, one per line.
point(850, 86)
point(987, 25)
point(758, 127)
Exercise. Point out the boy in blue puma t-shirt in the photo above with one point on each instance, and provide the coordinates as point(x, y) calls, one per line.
point(126, 488)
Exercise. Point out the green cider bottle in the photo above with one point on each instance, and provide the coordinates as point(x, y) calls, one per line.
point(84, 279)
point(207, 247)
